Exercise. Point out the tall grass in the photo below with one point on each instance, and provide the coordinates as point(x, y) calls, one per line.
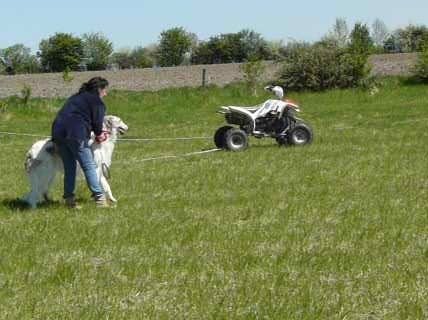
point(336, 230)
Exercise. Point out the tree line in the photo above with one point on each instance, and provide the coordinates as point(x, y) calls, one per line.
point(94, 51)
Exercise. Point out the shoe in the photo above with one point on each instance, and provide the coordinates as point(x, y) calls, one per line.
point(101, 203)
point(72, 204)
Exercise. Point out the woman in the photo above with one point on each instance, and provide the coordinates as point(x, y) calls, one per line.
point(71, 130)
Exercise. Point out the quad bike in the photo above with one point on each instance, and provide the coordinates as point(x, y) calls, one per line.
point(275, 118)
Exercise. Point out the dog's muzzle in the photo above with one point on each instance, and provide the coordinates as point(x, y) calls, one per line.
point(122, 130)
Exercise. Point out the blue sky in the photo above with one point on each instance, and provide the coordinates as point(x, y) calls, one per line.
point(128, 23)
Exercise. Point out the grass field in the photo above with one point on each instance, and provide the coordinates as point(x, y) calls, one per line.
point(335, 230)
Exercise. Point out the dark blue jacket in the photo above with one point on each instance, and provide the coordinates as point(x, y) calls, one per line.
point(81, 114)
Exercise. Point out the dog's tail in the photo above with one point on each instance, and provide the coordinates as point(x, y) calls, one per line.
point(36, 154)
point(31, 162)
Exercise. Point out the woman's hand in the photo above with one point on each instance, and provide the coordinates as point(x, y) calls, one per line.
point(102, 137)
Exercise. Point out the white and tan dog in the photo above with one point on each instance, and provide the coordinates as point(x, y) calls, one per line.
point(42, 162)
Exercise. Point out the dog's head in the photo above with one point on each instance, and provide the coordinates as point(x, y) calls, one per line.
point(115, 124)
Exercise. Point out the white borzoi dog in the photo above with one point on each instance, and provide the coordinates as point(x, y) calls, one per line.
point(42, 162)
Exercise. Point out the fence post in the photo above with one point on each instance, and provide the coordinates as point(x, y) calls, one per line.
point(204, 77)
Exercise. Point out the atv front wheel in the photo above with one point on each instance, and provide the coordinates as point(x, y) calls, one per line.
point(282, 141)
point(219, 137)
point(300, 135)
point(236, 140)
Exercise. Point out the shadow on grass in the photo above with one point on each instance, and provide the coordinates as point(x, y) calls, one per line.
point(20, 205)
point(272, 145)
point(411, 81)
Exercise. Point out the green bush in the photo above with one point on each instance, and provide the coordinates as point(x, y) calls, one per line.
point(18, 59)
point(61, 51)
point(142, 58)
point(67, 76)
point(138, 57)
point(253, 71)
point(173, 45)
point(97, 50)
point(26, 94)
point(361, 42)
point(3, 106)
point(322, 67)
point(232, 47)
point(421, 68)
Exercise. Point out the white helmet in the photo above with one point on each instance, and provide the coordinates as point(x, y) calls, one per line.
point(276, 90)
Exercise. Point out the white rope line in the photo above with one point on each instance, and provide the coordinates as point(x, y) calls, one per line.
point(23, 134)
point(119, 139)
point(163, 139)
point(170, 156)
point(137, 139)
point(190, 138)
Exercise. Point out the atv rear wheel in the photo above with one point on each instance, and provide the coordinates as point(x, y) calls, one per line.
point(219, 137)
point(300, 135)
point(236, 140)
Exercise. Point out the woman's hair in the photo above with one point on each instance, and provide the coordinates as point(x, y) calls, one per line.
point(93, 85)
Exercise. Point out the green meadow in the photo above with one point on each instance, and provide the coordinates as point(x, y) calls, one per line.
point(334, 230)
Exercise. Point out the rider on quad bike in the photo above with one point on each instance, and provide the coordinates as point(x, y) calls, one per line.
point(274, 118)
